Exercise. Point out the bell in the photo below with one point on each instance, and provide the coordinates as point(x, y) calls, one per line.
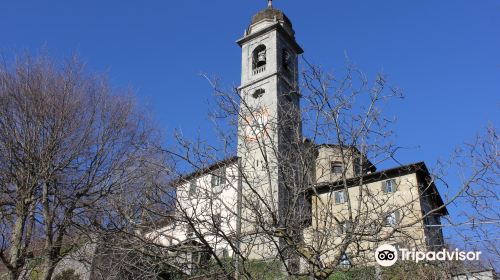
point(261, 57)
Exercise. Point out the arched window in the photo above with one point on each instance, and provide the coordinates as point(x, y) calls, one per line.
point(287, 60)
point(259, 57)
point(258, 93)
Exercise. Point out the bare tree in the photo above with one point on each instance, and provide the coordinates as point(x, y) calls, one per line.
point(68, 144)
point(476, 166)
point(297, 195)
point(281, 212)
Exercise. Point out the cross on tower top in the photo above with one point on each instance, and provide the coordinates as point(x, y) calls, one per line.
point(269, 3)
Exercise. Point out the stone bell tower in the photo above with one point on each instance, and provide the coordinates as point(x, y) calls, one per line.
point(269, 127)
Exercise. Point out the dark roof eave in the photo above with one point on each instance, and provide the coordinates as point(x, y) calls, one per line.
point(372, 166)
point(277, 26)
point(185, 178)
point(435, 192)
point(327, 187)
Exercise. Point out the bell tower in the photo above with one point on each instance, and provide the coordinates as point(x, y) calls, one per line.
point(269, 125)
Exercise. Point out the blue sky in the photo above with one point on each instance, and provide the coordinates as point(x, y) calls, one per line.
point(445, 54)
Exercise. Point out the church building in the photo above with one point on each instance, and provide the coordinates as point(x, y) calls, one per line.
point(283, 196)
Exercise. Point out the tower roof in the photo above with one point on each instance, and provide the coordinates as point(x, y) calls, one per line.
point(271, 19)
point(271, 14)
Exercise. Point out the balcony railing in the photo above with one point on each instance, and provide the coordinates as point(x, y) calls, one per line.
point(259, 70)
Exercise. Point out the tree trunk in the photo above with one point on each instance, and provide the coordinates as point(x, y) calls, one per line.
point(48, 269)
point(16, 256)
point(13, 275)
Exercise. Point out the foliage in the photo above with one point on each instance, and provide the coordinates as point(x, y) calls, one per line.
point(264, 270)
point(413, 271)
point(354, 274)
point(70, 145)
point(68, 274)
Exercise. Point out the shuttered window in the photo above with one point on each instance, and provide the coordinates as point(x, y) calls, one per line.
point(393, 218)
point(340, 197)
point(218, 180)
point(389, 186)
point(193, 188)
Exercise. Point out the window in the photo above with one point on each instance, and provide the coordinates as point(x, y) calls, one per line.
point(287, 60)
point(218, 180)
point(340, 197)
point(337, 167)
point(199, 260)
point(192, 188)
point(259, 57)
point(345, 262)
point(357, 167)
point(392, 219)
point(195, 261)
point(258, 93)
point(389, 186)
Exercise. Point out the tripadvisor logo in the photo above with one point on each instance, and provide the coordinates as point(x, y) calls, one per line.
point(387, 255)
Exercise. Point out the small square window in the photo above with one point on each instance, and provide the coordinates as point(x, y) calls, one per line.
point(340, 197)
point(392, 219)
point(358, 170)
point(287, 60)
point(193, 188)
point(218, 180)
point(258, 93)
point(345, 262)
point(389, 186)
point(337, 168)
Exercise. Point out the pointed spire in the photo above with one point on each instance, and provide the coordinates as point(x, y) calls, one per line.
point(270, 4)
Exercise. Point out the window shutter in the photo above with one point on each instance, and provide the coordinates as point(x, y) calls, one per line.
point(214, 178)
point(391, 219)
point(192, 187)
point(384, 186)
point(223, 176)
point(338, 198)
point(340, 228)
point(398, 216)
